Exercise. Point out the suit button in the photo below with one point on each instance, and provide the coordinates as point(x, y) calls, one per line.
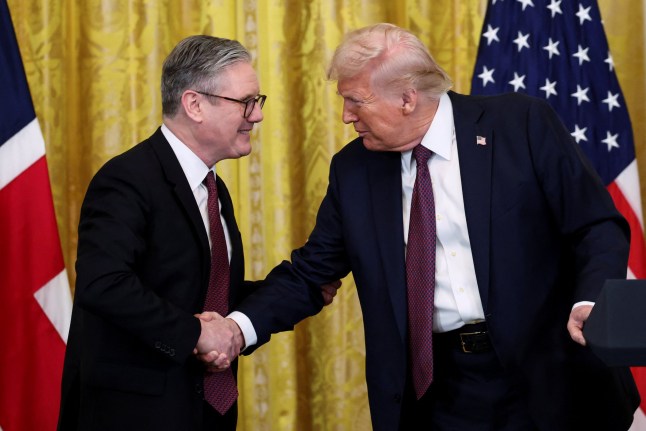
point(397, 398)
point(198, 388)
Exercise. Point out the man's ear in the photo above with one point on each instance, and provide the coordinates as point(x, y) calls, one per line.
point(409, 100)
point(191, 102)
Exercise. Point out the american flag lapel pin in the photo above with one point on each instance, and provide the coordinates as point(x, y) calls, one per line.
point(480, 140)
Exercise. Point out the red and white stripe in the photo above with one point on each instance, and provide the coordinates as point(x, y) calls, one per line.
point(625, 192)
point(35, 300)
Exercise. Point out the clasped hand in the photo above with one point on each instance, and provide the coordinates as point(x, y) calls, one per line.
point(220, 341)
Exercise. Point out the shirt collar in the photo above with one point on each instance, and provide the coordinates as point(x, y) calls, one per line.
point(193, 167)
point(439, 136)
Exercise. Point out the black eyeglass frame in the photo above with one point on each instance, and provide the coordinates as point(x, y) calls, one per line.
point(249, 104)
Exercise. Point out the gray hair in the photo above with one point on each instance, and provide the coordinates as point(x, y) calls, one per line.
point(196, 63)
point(397, 56)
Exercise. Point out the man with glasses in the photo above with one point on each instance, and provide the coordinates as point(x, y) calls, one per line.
point(159, 245)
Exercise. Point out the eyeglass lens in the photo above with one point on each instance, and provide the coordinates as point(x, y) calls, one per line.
point(251, 104)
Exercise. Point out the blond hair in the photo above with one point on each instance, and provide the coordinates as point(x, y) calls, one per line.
point(398, 58)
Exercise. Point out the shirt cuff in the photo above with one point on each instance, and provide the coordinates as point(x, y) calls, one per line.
point(578, 304)
point(248, 332)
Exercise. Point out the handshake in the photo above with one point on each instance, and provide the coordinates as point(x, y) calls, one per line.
point(221, 339)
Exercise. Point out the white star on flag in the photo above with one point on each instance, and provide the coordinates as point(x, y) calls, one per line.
point(582, 55)
point(583, 14)
point(491, 35)
point(579, 134)
point(517, 82)
point(611, 140)
point(611, 100)
point(521, 41)
point(555, 7)
point(610, 61)
point(552, 47)
point(549, 88)
point(581, 94)
point(526, 3)
point(486, 75)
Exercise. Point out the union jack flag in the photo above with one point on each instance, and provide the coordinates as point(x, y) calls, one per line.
point(558, 50)
point(35, 300)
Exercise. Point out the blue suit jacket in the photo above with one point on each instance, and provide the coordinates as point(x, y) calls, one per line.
point(544, 234)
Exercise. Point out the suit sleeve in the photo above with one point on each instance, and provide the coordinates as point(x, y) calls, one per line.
point(596, 233)
point(113, 245)
point(292, 290)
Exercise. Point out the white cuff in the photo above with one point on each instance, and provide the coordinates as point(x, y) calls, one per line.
point(248, 332)
point(578, 304)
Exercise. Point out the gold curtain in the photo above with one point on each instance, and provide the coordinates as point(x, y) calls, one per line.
point(93, 67)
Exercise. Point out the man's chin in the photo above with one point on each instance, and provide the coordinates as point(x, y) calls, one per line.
point(367, 142)
point(244, 153)
point(244, 149)
point(373, 146)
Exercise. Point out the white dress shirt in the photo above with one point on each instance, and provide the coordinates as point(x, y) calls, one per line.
point(457, 299)
point(195, 171)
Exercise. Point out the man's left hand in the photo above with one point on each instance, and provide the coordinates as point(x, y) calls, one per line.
point(578, 316)
point(329, 291)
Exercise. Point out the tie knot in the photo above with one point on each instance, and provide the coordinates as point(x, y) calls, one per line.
point(209, 182)
point(421, 154)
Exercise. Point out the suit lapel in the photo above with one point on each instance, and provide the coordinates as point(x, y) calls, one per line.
point(385, 186)
point(177, 179)
point(475, 172)
point(178, 182)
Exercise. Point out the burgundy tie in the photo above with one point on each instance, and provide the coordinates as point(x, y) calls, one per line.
point(420, 274)
point(220, 388)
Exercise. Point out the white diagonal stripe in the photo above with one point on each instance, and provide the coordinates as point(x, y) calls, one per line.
point(639, 422)
point(56, 301)
point(20, 152)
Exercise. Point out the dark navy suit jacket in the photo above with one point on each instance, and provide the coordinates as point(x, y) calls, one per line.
point(544, 235)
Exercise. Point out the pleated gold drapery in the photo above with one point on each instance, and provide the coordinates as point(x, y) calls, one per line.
point(93, 68)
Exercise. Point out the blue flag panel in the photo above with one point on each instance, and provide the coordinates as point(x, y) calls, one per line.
point(557, 50)
point(16, 109)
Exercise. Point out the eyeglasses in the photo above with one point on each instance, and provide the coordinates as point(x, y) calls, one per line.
point(249, 104)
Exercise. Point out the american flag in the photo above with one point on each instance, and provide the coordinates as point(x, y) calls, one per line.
point(557, 50)
point(35, 300)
